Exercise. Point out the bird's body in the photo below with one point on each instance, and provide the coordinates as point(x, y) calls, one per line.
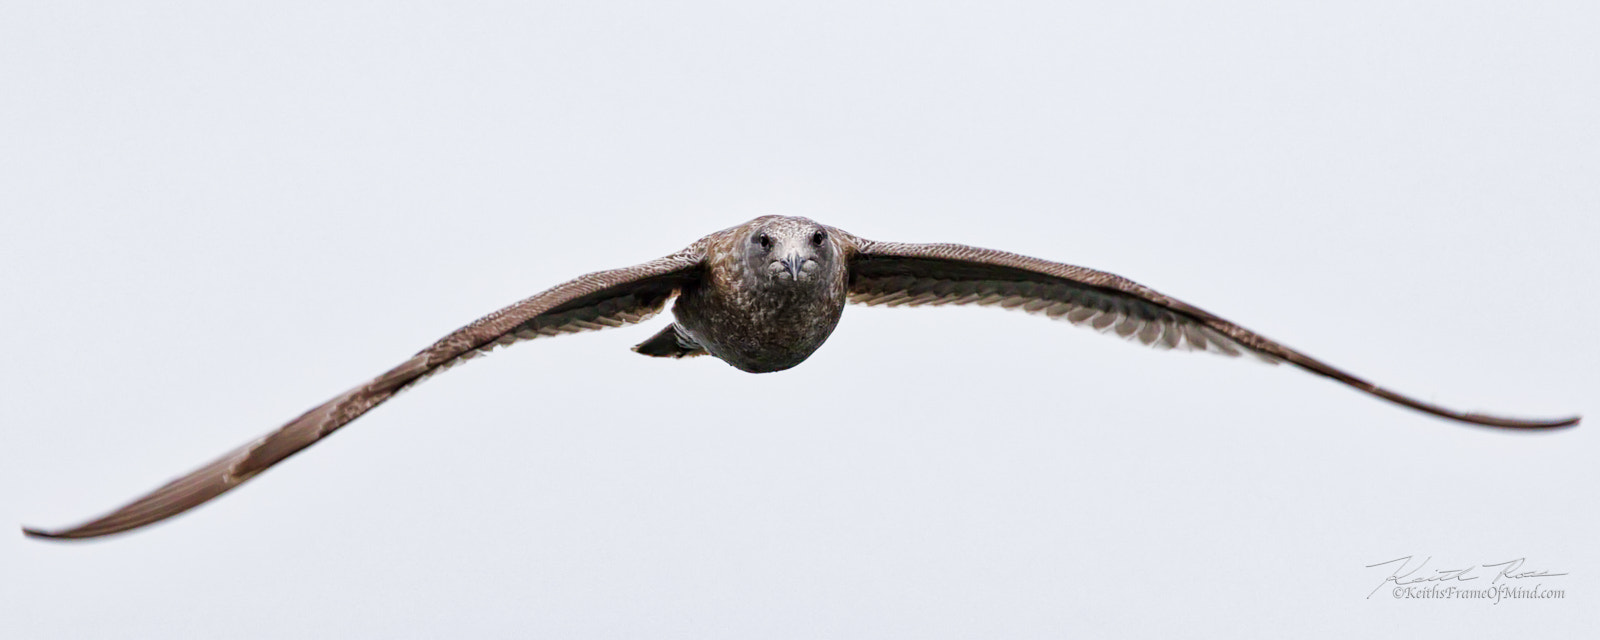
point(763, 296)
point(761, 319)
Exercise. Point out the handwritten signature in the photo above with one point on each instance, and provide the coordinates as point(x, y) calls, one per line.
point(1401, 576)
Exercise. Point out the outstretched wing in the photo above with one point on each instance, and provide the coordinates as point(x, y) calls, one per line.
point(894, 274)
point(595, 301)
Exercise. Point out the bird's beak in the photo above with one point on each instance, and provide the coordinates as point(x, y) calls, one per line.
point(792, 262)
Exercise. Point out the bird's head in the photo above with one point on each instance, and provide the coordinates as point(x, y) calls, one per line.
point(788, 251)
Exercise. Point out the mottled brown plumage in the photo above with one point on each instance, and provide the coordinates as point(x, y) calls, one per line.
point(763, 296)
point(772, 292)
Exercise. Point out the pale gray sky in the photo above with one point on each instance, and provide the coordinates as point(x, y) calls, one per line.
point(216, 217)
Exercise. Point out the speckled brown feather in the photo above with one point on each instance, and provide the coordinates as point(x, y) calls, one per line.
point(758, 323)
point(894, 274)
point(594, 301)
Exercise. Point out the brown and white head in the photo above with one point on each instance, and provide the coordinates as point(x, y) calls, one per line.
point(785, 251)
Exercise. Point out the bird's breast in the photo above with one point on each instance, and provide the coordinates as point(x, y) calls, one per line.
point(760, 329)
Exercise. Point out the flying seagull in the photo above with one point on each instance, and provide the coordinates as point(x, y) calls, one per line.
point(762, 296)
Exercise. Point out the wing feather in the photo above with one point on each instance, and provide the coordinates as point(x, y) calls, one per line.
point(595, 301)
point(888, 273)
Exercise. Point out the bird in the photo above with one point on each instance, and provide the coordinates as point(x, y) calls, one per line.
point(763, 296)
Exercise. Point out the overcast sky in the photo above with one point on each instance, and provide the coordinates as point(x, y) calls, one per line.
point(215, 218)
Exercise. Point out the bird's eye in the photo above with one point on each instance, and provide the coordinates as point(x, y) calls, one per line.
point(765, 241)
point(816, 238)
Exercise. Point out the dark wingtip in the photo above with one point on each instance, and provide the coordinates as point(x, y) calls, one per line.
point(41, 533)
point(70, 533)
point(74, 533)
point(1509, 423)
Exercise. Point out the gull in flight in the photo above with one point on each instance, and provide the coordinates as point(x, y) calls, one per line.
point(762, 296)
